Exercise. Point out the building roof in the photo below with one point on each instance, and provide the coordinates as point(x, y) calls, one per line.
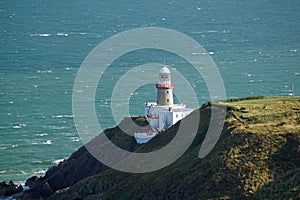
point(165, 70)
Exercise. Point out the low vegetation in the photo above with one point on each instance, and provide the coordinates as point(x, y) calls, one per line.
point(256, 157)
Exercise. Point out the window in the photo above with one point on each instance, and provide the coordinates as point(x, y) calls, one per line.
point(176, 115)
point(167, 100)
point(167, 91)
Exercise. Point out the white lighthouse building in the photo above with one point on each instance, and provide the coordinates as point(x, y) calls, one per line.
point(163, 113)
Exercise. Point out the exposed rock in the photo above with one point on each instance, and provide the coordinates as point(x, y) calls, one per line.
point(9, 188)
point(46, 190)
point(33, 182)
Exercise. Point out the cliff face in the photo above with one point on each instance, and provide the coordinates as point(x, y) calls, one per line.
point(257, 157)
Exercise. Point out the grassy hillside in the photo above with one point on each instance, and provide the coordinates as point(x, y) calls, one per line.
point(256, 157)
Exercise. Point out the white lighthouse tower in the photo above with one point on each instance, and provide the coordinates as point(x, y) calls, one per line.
point(164, 87)
point(163, 113)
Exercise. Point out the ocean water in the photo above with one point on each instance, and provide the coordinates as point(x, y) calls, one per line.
point(255, 45)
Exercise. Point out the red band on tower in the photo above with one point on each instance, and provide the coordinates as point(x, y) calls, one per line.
point(165, 86)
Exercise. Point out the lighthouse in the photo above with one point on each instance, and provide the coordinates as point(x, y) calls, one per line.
point(163, 113)
point(164, 87)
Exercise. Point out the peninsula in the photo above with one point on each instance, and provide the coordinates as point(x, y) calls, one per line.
point(256, 157)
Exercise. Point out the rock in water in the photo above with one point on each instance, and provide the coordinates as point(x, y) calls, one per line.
point(33, 182)
point(9, 188)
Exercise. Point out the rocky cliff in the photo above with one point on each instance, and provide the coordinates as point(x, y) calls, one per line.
point(256, 157)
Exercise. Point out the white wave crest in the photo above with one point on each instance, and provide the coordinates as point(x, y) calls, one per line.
point(63, 34)
point(40, 35)
point(58, 161)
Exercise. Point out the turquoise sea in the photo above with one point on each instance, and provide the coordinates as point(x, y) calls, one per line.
point(255, 45)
